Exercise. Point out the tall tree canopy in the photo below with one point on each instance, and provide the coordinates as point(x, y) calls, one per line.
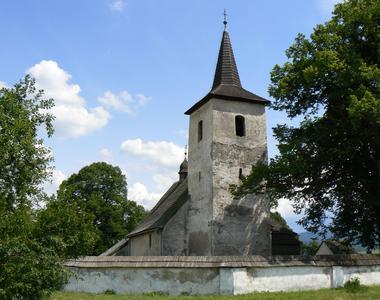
point(329, 165)
point(24, 161)
point(94, 200)
point(28, 270)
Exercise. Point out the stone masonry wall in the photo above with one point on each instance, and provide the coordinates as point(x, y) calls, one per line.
point(174, 234)
point(239, 226)
point(217, 223)
point(200, 183)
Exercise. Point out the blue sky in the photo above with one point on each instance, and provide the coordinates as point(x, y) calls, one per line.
point(123, 72)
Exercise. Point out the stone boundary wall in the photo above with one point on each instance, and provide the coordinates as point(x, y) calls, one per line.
point(229, 275)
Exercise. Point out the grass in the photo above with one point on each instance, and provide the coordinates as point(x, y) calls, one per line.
point(367, 293)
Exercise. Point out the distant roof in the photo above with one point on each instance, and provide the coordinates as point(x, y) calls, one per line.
point(338, 247)
point(227, 83)
point(165, 208)
point(111, 251)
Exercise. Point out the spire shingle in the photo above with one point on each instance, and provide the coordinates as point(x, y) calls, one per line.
point(226, 71)
point(227, 83)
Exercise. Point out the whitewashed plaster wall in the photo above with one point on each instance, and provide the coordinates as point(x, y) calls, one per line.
point(216, 280)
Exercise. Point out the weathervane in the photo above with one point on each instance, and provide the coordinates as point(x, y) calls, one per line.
point(225, 19)
point(186, 151)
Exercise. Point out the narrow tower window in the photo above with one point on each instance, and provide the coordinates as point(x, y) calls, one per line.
point(200, 130)
point(240, 173)
point(240, 125)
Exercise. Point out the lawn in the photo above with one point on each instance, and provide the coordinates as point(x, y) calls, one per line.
point(366, 293)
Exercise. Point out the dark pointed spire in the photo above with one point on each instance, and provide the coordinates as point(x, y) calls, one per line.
point(227, 83)
point(226, 70)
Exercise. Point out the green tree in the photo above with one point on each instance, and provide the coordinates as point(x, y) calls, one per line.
point(310, 248)
point(24, 161)
point(329, 165)
point(27, 269)
point(95, 199)
point(69, 231)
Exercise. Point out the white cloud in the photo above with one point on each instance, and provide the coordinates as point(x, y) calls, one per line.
point(123, 101)
point(73, 119)
point(56, 179)
point(105, 154)
point(118, 5)
point(142, 99)
point(164, 153)
point(3, 85)
point(327, 6)
point(139, 193)
point(285, 208)
point(164, 181)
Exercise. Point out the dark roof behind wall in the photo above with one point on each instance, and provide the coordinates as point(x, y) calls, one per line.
point(338, 247)
point(165, 208)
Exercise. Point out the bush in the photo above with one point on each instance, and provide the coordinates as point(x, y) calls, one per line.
point(353, 285)
point(27, 269)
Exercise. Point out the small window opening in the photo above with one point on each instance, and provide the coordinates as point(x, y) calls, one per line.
point(200, 130)
point(150, 240)
point(240, 173)
point(240, 125)
point(199, 176)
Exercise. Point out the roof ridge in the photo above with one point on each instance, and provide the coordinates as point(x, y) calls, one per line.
point(164, 196)
point(166, 206)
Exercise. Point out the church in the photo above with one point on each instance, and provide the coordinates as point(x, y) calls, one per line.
point(198, 215)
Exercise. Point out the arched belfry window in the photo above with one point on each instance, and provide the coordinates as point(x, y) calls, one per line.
point(240, 125)
point(200, 131)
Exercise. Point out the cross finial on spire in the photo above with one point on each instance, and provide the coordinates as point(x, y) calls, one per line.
point(186, 151)
point(225, 19)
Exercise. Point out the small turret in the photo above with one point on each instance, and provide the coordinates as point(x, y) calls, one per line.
point(183, 168)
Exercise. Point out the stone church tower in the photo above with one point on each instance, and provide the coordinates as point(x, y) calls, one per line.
point(227, 136)
point(198, 215)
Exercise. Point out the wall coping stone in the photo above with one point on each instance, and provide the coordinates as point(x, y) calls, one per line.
point(222, 261)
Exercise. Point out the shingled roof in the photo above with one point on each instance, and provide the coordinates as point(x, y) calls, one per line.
point(227, 83)
point(338, 247)
point(226, 70)
point(165, 208)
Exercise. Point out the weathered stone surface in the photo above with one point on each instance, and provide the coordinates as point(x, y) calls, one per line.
point(217, 223)
point(200, 183)
point(243, 229)
point(174, 234)
point(218, 275)
point(139, 281)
